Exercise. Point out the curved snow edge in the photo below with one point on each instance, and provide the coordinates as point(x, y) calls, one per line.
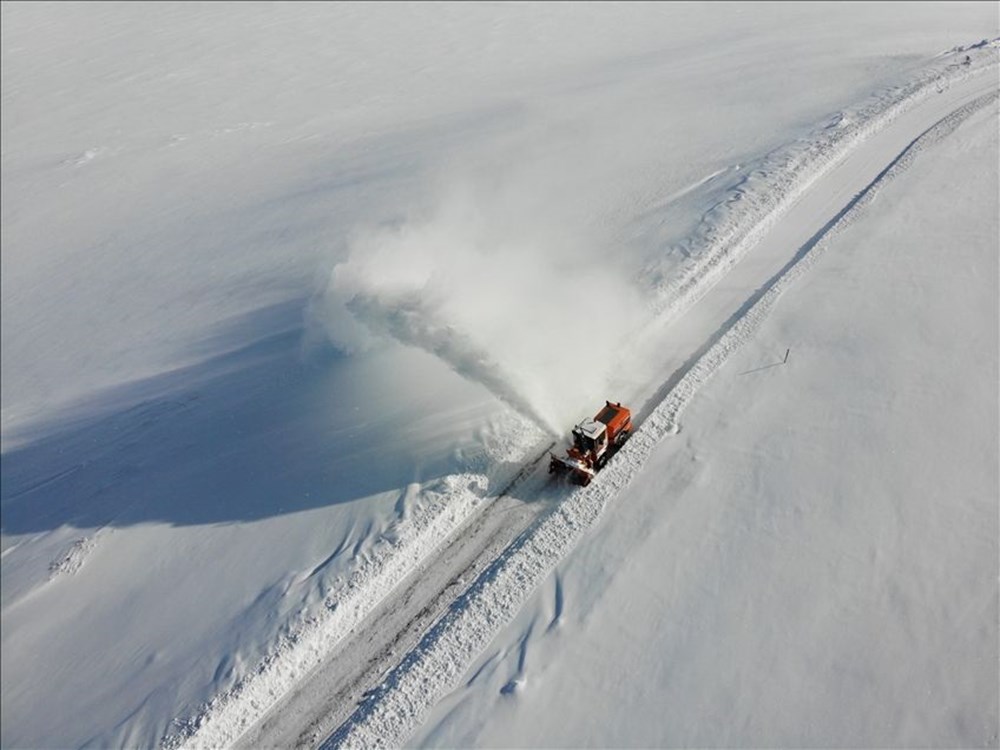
point(449, 649)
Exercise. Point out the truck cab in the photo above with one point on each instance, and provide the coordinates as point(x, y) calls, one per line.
point(591, 436)
point(594, 442)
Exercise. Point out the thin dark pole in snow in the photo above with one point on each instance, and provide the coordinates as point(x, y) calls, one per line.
point(768, 367)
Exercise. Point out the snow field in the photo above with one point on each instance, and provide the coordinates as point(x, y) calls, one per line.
point(190, 475)
point(812, 562)
point(450, 648)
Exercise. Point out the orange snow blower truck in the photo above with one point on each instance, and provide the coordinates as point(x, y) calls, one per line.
point(594, 442)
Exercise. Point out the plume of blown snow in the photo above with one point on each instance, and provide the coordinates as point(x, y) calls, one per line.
point(505, 281)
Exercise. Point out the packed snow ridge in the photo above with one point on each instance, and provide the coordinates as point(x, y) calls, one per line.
point(449, 503)
point(393, 711)
point(771, 187)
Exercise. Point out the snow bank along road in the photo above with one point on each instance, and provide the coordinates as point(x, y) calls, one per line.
point(406, 630)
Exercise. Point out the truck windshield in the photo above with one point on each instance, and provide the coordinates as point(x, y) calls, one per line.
point(583, 442)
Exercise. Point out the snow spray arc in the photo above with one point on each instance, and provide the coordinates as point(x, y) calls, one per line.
point(409, 320)
point(532, 307)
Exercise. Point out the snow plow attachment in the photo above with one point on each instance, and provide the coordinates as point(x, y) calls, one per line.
point(577, 470)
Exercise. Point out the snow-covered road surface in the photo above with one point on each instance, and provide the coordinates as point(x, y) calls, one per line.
point(403, 670)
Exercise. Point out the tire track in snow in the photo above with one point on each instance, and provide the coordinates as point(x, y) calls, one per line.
point(447, 651)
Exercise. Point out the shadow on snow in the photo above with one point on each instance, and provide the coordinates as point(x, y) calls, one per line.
point(256, 431)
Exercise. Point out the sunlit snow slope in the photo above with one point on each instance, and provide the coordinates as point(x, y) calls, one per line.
point(811, 562)
point(290, 293)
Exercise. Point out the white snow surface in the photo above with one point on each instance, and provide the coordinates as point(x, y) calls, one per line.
point(289, 297)
point(968, 717)
point(755, 585)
